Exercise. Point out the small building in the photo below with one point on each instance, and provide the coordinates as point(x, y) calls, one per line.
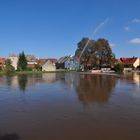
point(2, 62)
point(72, 63)
point(49, 66)
point(133, 62)
point(68, 63)
point(60, 64)
point(14, 60)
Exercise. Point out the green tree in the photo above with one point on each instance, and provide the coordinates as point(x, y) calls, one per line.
point(119, 68)
point(96, 54)
point(22, 62)
point(8, 69)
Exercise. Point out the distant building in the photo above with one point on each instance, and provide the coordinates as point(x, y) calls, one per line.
point(72, 63)
point(14, 60)
point(49, 66)
point(61, 62)
point(2, 62)
point(133, 62)
point(68, 62)
point(31, 61)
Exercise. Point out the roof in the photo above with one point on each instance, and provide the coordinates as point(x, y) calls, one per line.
point(128, 61)
point(42, 61)
point(63, 59)
point(2, 60)
point(13, 55)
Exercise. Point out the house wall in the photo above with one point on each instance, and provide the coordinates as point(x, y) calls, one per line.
point(48, 66)
point(71, 65)
point(137, 63)
point(14, 61)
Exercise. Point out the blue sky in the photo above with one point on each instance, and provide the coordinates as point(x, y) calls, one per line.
point(52, 28)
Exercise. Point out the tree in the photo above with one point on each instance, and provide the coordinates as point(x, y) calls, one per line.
point(22, 62)
point(96, 54)
point(119, 68)
point(8, 69)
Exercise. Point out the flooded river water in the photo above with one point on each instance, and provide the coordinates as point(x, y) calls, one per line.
point(70, 107)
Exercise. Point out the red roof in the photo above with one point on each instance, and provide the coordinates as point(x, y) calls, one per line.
point(2, 60)
point(128, 61)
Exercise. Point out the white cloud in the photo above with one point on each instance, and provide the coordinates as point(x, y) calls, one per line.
point(136, 20)
point(112, 44)
point(127, 29)
point(135, 41)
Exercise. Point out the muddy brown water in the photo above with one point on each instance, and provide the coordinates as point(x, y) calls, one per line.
point(70, 107)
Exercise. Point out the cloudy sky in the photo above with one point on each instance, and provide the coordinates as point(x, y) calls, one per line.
point(52, 28)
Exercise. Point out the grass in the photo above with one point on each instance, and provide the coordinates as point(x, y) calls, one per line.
point(37, 72)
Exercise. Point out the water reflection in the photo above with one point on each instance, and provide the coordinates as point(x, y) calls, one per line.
point(9, 137)
point(22, 81)
point(136, 78)
point(53, 107)
point(95, 88)
point(89, 88)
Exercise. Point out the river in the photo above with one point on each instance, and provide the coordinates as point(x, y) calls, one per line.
point(70, 107)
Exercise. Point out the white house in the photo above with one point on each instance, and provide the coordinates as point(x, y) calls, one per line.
point(14, 61)
point(49, 66)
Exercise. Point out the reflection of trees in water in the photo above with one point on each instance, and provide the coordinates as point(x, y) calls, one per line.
point(9, 80)
point(22, 81)
point(9, 137)
point(95, 88)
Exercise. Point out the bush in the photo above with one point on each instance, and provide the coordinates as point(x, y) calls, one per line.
point(29, 69)
point(119, 68)
point(9, 69)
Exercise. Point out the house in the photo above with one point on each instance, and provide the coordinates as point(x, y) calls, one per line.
point(49, 66)
point(72, 63)
point(31, 61)
point(130, 63)
point(68, 62)
point(60, 64)
point(2, 62)
point(133, 62)
point(14, 60)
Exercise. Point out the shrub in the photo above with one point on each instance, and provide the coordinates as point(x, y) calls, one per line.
point(9, 69)
point(119, 68)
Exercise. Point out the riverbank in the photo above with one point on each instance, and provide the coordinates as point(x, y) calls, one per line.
point(37, 72)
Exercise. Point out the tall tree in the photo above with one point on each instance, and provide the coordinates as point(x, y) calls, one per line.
point(22, 62)
point(97, 53)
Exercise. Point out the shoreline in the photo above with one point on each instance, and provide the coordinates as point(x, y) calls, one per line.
point(65, 71)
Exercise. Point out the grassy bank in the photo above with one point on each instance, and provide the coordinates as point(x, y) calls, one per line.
point(37, 72)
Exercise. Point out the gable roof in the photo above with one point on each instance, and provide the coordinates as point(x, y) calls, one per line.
point(63, 59)
point(128, 61)
point(42, 61)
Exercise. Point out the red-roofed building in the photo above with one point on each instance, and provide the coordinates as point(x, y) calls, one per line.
point(2, 62)
point(133, 62)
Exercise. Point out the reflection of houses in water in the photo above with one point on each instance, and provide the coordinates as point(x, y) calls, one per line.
point(136, 78)
point(69, 79)
point(95, 88)
point(24, 81)
point(132, 77)
point(49, 78)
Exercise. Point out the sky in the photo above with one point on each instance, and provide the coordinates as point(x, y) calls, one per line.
point(52, 28)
